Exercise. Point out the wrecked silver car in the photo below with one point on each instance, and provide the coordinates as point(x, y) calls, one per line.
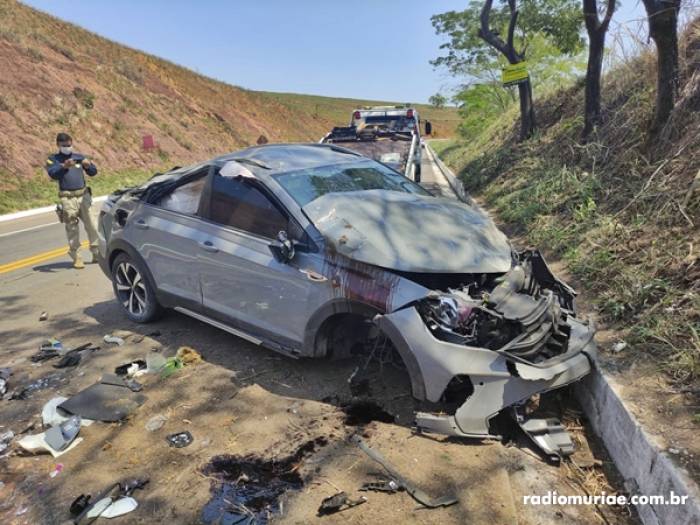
point(313, 250)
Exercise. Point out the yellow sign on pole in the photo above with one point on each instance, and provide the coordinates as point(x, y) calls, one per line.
point(515, 74)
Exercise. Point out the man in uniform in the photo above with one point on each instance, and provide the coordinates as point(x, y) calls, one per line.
point(69, 169)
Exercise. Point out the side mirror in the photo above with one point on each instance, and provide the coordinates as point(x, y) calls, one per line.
point(282, 248)
point(428, 128)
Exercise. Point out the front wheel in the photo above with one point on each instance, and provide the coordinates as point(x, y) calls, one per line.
point(133, 290)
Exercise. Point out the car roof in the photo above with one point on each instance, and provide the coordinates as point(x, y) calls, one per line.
point(270, 159)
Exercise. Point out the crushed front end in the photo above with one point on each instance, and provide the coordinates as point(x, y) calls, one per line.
point(490, 345)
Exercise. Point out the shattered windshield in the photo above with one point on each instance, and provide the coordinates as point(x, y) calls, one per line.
point(307, 185)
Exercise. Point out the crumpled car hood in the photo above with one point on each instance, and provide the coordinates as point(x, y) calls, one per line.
point(409, 232)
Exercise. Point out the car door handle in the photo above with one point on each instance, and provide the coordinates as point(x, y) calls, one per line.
point(208, 246)
point(141, 224)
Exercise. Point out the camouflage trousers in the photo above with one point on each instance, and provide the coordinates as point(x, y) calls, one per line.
point(77, 206)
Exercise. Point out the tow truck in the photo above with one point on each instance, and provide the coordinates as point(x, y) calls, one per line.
point(387, 134)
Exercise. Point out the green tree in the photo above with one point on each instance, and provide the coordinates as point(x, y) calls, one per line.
point(437, 100)
point(469, 54)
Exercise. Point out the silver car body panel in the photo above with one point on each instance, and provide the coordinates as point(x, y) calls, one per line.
point(410, 232)
point(364, 249)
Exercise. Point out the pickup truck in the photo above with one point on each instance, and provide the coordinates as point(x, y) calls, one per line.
point(387, 134)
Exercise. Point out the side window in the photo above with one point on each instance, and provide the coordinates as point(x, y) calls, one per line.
point(185, 198)
point(238, 204)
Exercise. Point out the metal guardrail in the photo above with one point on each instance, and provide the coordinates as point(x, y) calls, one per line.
point(456, 184)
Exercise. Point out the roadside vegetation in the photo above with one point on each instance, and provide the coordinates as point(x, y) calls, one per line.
point(620, 206)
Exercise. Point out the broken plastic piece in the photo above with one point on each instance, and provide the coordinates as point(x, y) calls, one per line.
point(549, 435)
point(119, 507)
point(5, 374)
point(416, 493)
point(109, 400)
point(156, 422)
point(51, 415)
point(388, 485)
point(5, 440)
point(113, 339)
point(43, 316)
point(61, 436)
point(180, 439)
point(38, 442)
point(337, 503)
point(129, 369)
point(71, 359)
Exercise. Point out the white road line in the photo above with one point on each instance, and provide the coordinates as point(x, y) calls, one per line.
point(38, 211)
point(28, 229)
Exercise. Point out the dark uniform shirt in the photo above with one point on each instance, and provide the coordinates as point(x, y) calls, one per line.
point(69, 179)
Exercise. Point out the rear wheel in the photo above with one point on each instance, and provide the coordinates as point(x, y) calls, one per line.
point(133, 290)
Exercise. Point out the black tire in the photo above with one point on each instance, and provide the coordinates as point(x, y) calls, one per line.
point(416, 172)
point(133, 290)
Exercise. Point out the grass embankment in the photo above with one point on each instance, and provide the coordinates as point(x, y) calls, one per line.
point(40, 190)
point(619, 210)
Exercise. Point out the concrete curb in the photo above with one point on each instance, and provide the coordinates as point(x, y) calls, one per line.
point(38, 211)
point(647, 470)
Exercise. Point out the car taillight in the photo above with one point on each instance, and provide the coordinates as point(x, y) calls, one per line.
point(409, 113)
point(356, 115)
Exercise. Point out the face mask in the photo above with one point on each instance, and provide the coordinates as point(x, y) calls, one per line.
point(66, 150)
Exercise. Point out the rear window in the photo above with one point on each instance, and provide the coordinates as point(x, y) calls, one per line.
point(309, 184)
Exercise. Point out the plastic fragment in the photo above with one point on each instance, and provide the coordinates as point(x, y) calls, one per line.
point(156, 422)
point(113, 339)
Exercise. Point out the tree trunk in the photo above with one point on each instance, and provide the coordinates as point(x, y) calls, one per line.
point(663, 29)
point(596, 47)
point(527, 110)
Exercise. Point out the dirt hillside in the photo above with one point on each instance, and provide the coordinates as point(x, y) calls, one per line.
point(58, 76)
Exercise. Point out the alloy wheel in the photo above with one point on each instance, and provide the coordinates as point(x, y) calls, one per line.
point(131, 288)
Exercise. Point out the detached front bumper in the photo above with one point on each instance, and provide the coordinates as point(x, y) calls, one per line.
point(499, 380)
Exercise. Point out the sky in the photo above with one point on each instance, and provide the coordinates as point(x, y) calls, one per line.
point(369, 49)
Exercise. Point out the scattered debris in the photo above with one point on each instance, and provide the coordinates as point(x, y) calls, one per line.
point(248, 488)
point(37, 442)
point(619, 346)
point(156, 422)
point(48, 350)
point(387, 485)
point(57, 469)
point(5, 440)
point(49, 381)
point(188, 356)
point(68, 360)
point(131, 369)
point(43, 316)
point(61, 436)
point(549, 435)
point(114, 501)
point(51, 415)
point(155, 362)
point(5, 374)
point(113, 339)
point(172, 364)
point(112, 399)
point(180, 439)
point(416, 493)
point(337, 503)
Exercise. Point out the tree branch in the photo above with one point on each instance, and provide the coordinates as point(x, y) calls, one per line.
point(485, 31)
point(609, 10)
